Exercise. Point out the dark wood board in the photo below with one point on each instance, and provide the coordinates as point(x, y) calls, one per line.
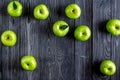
point(60, 58)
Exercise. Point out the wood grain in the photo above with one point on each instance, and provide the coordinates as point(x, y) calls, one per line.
point(102, 40)
point(83, 50)
point(60, 58)
point(115, 56)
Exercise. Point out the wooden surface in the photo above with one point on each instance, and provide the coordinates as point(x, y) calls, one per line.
point(60, 58)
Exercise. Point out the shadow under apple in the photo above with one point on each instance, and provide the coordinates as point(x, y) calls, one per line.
point(70, 34)
point(102, 26)
point(3, 10)
point(28, 11)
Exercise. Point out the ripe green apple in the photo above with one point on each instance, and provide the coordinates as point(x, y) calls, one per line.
point(113, 27)
point(82, 33)
point(8, 38)
point(41, 12)
point(60, 28)
point(73, 11)
point(28, 63)
point(14, 9)
point(108, 67)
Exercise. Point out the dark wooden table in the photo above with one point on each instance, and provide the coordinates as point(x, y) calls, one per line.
point(60, 58)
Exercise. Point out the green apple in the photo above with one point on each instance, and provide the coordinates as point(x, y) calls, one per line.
point(41, 12)
point(113, 27)
point(82, 33)
point(28, 63)
point(73, 11)
point(8, 38)
point(14, 9)
point(108, 67)
point(60, 28)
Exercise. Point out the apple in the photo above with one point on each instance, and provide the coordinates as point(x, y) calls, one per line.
point(28, 62)
point(8, 38)
point(41, 12)
point(113, 27)
point(73, 11)
point(108, 67)
point(14, 9)
point(82, 33)
point(60, 28)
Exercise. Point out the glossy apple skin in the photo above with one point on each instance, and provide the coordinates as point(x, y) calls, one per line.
point(8, 38)
point(82, 33)
point(57, 31)
point(73, 11)
point(41, 12)
point(108, 67)
point(113, 27)
point(14, 12)
point(28, 63)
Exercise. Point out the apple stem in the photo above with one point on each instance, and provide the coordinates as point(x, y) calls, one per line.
point(63, 27)
point(73, 10)
point(14, 5)
point(117, 27)
point(41, 11)
point(84, 33)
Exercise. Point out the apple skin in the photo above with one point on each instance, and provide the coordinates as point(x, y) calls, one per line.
point(9, 38)
point(60, 32)
point(73, 11)
point(108, 67)
point(14, 12)
point(113, 27)
point(82, 33)
point(28, 63)
point(41, 12)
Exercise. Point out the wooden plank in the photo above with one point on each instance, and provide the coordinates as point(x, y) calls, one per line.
point(102, 40)
point(0, 43)
point(83, 50)
point(6, 55)
point(115, 41)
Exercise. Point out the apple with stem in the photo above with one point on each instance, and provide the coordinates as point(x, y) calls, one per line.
point(60, 28)
point(82, 33)
point(14, 8)
point(108, 67)
point(41, 12)
point(8, 38)
point(28, 62)
point(113, 27)
point(73, 11)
